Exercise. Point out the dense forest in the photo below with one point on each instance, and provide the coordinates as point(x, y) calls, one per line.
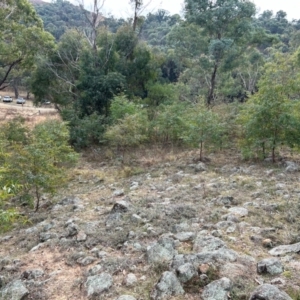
point(219, 76)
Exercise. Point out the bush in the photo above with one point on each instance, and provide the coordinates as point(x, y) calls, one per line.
point(39, 166)
point(85, 131)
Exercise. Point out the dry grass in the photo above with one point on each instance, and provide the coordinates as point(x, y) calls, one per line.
point(97, 176)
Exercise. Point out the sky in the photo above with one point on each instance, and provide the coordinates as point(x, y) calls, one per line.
point(121, 8)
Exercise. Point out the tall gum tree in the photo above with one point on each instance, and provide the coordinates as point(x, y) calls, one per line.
point(226, 23)
point(21, 37)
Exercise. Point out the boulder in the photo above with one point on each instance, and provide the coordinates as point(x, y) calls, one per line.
point(269, 292)
point(185, 272)
point(217, 290)
point(14, 290)
point(168, 285)
point(161, 251)
point(97, 284)
point(271, 265)
point(284, 249)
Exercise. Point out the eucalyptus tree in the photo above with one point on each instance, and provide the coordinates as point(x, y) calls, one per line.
point(271, 117)
point(21, 37)
point(226, 24)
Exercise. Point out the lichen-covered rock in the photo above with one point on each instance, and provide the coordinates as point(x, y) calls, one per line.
point(97, 284)
point(15, 290)
point(168, 285)
point(161, 251)
point(271, 265)
point(217, 290)
point(185, 272)
point(269, 292)
point(206, 243)
point(130, 279)
point(284, 249)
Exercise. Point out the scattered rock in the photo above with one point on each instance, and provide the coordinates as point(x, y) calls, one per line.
point(86, 260)
point(184, 236)
point(278, 281)
point(269, 292)
point(200, 167)
point(207, 243)
point(272, 266)
point(81, 236)
point(238, 211)
point(185, 272)
point(126, 297)
point(168, 285)
point(284, 249)
point(130, 280)
point(161, 251)
point(98, 284)
point(70, 200)
point(120, 207)
point(14, 290)
point(32, 274)
point(118, 193)
point(267, 243)
point(291, 166)
point(217, 290)
point(72, 229)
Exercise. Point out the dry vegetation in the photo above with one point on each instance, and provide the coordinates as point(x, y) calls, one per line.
point(169, 192)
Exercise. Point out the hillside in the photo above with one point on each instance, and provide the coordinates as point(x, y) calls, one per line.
point(165, 225)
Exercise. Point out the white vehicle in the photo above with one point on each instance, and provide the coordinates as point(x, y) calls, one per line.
point(21, 100)
point(7, 99)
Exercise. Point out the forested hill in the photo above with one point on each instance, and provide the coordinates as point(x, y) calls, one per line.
point(59, 16)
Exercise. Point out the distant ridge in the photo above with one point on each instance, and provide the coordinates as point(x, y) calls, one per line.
point(38, 2)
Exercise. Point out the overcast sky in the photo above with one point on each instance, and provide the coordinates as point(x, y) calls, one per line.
point(121, 8)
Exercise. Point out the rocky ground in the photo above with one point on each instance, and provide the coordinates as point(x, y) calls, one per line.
point(164, 227)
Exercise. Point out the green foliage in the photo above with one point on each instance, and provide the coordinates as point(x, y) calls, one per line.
point(160, 93)
point(270, 118)
point(169, 123)
point(39, 166)
point(85, 131)
point(121, 107)
point(131, 131)
point(21, 38)
point(204, 129)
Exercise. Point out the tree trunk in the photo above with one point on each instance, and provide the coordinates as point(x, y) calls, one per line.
point(201, 151)
point(211, 92)
point(273, 154)
point(37, 199)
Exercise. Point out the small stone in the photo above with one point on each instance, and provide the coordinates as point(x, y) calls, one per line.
point(238, 211)
point(267, 243)
point(130, 280)
point(32, 274)
point(81, 236)
point(204, 268)
point(184, 236)
point(72, 229)
point(278, 281)
point(86, 260)
point(118, 193)
point(126, 297)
